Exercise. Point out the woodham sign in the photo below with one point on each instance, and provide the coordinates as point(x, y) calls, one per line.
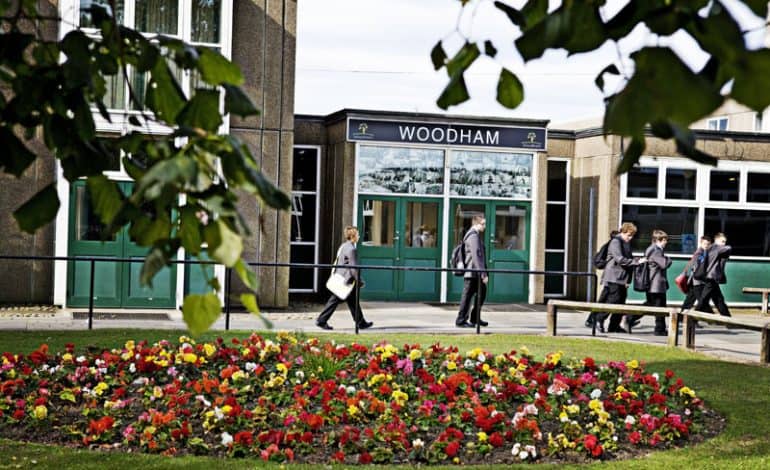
point(369, 130)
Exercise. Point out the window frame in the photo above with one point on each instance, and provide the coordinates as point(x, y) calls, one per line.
point(317, 193)
point(566, 204)
point(702, 191)
point(717, 120)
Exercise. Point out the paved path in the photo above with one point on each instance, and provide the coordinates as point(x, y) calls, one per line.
point(389, 317)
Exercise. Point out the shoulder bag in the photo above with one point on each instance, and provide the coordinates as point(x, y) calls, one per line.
point(337, 283)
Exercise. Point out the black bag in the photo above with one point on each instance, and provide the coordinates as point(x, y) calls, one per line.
point(600, 258)
point(457, 260)
point(642, 277)
point(700, 272)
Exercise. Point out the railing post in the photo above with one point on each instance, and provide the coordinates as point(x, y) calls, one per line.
point(357, 299)
point(764, 349)
point(91, 296)
point(689, 332)
point(673, 332)
point(477, 304)
point(228, 283)
point(550, 318)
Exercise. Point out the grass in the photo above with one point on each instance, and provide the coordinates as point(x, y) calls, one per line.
point(741, 392)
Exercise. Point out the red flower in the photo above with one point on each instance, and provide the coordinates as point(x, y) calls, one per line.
point(634, 437)
point(452, 448)
point(590, 441)
point(339, 456)
point(365, 458)
point(244, 438)
point(496, 439)
point(99, 426)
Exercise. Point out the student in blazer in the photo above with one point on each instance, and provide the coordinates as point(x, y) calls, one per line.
point(475, 258)
point(617, 274)
point(347, 257)
point(716, 259)
point(658, 264)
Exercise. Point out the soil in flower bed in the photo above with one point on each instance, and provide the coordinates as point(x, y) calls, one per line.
point(321, 402)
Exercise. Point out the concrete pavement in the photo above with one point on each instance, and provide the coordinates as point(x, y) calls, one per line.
point(388, 317)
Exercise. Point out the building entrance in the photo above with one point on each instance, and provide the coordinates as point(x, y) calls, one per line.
point(507, 245)
point(400, 231)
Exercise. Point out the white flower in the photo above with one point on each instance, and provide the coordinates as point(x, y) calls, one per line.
point(132, 368)
point(300, 375)
point(596, 393)
point(220, 415)
point(687, 412)
point(515, 449)
point(227, 439)
point(80, 359)
point(351, 390)
point(250, 366)
point(530, 409)
point(203, 400)
point(531, 450)
point(630, 420)
point(615, 438)
point(537, 395)
point(481, 357)
point(523, 455)
point(418, 444)
point(656, 376)
point(468, 364)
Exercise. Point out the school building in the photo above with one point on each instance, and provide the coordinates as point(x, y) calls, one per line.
point(411, 182)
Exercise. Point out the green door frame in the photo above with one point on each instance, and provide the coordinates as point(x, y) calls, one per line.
point(502, 287)
point(119, 279)
point(400, 285)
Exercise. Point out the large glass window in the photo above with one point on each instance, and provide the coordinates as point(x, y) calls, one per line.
point(748, 231)
point(88, 226)
point(557, 181)
point(491, 174)
point(555, 220)
point(379, 224)
point(724, 185)
point(510, 227)
point(758, 187)
point(555, 226)
point(680, 183)
point(678, 222)
point(303, 246)
point(400, 170)
point(421, 224)
point(642, 182)
point(463, 220)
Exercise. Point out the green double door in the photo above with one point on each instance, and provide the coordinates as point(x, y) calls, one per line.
point(115, 284)
point(400, 231)
point(507, 242)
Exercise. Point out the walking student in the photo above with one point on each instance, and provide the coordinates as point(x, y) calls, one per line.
point(617, 274)
point(598, 317)
point(695, 286)
point(347, 255)
point(716, 259)
point(658, 264)
point(475, 258)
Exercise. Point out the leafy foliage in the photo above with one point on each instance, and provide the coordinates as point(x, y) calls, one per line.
point(55, 86)
point(662, 95)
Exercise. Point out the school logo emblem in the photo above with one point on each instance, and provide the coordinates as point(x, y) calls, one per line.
point(363, 132)
point(531, 137)
point(531, 141)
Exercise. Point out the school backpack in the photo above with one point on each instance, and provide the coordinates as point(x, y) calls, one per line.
point(600, 258)
point(457, 260)
point(642, 277)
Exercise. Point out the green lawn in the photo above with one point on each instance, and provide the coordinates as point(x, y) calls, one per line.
point(740, 392)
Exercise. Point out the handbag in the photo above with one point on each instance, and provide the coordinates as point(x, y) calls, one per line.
point(337, 283)
point(682, 282)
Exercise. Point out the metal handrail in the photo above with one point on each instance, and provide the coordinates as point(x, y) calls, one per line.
point(94, 259)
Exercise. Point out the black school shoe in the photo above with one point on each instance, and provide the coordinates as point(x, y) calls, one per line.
point(660, 333)
point(481, 322)
point(365, 324)
point(324, 326)
point(616, 329)
point(465, 325)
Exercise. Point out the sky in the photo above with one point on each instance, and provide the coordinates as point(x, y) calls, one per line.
point(375, 54)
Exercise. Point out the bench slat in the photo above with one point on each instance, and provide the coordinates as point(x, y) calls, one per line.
point(722, 320)
point(613, 308)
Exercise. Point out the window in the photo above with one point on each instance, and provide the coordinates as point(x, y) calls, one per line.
point(718, 124)
point(680, 184)
point(556, 226)
point(642, 182)
point(678, 222)
point(491, 174)
point(724, 185)
point(199, 22)
point(758, 122)
point(758, 187)
point(748, 231)
point(303, 245)
point(385, 170)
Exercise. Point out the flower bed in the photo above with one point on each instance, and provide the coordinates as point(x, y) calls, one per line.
point(313, 401)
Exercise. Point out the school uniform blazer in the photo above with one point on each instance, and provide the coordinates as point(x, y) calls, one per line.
point(658, 264)
point(716, 258)
point(475, 254)
point(620, 263)
point(348, 256)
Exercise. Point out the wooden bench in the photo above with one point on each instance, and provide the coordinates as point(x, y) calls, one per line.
point(688, 329)
point(594, 307)
point(759, 290)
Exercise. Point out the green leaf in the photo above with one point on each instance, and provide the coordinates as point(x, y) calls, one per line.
point(154, 261)
point(189, 230)
point(238, 102)
point(456, 92)
point(270, 193)
point(759, 7)
point(631, 154)
point(250, 302)
point(145, 231)
point(15, 157)
point(534, 12)
point(247, 275)
point(202, 111)
point(685, 141)
point(67, 395)
point(611, 69)
point(224, 245)
point(164, 95)
point(438, 56)
point(510, 91)
point(513, 14)
point(216, 69)
point(38, 210)
point(490, 49)
point(463, 59)
point(574, 26)
point(200, 311)
point(106, 197)
point(752, 80)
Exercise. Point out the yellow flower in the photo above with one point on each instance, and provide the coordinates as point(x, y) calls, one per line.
point(451, 365)
point(238, 375)
point(485, 367)
point(100, 388)
point(353, 410)
point(192, 358)
point(632, 364)
point(157, 392)
point(573, 409)
point(482, 436)
point(376, 379)
point(399, 397)
point(209, 349)
point(524, 351)
point(40, 412)
point(687, 391)
point(130, 345)
point(66, 357)
point(554, 358)
point(227, 409)
point(595, 405)
point(281, 367)
point(491, 373)
point(186, 339)
point(415, 354)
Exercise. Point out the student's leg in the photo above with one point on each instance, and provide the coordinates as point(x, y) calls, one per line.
point(719, 301)
point(599, 316)
point(469, 289)
point(658, 300)
point(616, 295)
point(482, 295)
point(707, 292)
point(355, 310)
point(328, 310)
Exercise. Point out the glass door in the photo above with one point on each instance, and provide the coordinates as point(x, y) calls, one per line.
point(400, 231)
point(509, 249)
point(461, 220)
